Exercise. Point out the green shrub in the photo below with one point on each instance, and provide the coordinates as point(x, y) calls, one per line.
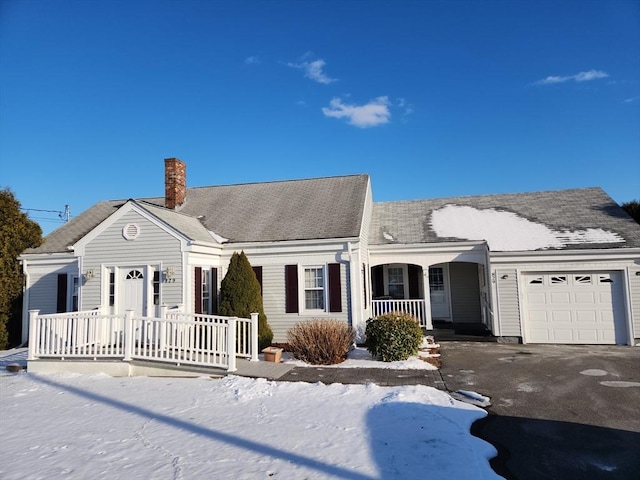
point(240, 296)
point(393, 336)
point(321, 342)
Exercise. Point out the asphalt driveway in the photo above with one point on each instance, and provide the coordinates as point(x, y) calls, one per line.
point(558, 412)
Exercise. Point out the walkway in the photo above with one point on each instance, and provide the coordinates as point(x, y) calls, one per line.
point(286, 372)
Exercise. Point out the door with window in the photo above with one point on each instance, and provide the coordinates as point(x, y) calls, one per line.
point(134, 290)
point(439, 292)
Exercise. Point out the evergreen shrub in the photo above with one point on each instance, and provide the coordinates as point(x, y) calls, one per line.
point(393, 336)
point(321, 342)
point(240, 296)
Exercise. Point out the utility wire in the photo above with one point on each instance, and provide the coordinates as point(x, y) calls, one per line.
point(40, 210)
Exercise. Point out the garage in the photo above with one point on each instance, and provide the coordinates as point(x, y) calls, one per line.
point(574, 307)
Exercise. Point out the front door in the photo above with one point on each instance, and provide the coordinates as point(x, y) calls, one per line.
point(439, 292)
point(134, 297)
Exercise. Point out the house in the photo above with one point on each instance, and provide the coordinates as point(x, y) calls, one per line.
point(545, 267)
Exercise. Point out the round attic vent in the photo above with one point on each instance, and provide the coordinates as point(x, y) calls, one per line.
point(131, 231)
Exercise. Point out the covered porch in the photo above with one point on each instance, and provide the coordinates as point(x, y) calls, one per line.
point(445, 287)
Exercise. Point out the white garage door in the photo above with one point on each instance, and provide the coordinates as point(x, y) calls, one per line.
point(570, 307)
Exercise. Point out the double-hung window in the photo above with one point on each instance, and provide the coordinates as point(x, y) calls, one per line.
point(396, 282)
point(314, 293)
point(206, 291)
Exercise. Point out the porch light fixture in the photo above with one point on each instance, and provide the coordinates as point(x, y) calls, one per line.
point(504, 277)
point(89, 274)
point(638, 274)
point(170, 272)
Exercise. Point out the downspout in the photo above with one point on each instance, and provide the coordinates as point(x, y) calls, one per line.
point(24, 337)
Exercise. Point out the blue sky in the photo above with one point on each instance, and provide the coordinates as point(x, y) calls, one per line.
point(432, 99)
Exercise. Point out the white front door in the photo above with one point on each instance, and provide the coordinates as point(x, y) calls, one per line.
point(134, 295)
point(439, 292)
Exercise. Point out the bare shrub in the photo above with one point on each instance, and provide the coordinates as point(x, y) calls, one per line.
point(321, 342)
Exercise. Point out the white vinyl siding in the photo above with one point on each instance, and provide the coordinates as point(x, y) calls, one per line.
point(634, 288)
point(508, 303)
point(273, 299)
point(43, 285)
point(153, 246)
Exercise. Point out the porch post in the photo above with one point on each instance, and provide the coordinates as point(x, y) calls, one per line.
point(231, 345)
point(129, 337)
point(427, 298)
point(33, 335)
point(163, 326)
point(254, 337)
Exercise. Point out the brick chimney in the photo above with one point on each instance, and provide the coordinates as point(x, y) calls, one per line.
point(175, 182)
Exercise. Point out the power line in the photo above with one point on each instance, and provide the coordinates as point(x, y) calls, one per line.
point(65, 216)
point(40, 210)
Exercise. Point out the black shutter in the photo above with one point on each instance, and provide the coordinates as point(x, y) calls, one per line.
point(197, 305)
point(377, 273)
point(61, 304)
point(335, 289)
point(414, 284)
point(258, 272)
point(291, 288)
point(214, 291)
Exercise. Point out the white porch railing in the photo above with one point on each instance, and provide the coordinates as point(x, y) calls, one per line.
point(416, 308)
point(177, 338)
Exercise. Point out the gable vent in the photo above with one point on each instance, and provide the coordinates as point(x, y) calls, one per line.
point(131, 231)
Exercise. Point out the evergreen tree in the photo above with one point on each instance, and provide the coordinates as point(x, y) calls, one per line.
point(17, 233)
point(240, 296)
point(633, 209)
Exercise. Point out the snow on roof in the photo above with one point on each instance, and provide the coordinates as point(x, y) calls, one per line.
point(508, 232)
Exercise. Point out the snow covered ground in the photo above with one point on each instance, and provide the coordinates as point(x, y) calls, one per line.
point(94, 426)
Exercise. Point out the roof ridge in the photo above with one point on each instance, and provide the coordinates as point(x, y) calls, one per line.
point(293, 180)
point(493, 195)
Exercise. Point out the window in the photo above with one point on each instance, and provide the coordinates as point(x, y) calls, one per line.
point(558, 280)
point(536, 281)
point(314, 288)
point(582, 279)
point(322, 287)
point(112, 288)
point(156, 287)
point(396, 282)
point(436, 279)
point(134, 275)
point(206, 291)
point(74, 294)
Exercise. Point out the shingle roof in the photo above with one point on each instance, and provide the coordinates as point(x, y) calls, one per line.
point(408, 222)
point(318, 208)
point(189, 226)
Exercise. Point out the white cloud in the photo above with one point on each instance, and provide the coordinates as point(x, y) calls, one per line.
point(251, 60)
point(578, 77)
point(371, 114)
point(632, 99)
point(407, 107)
point(313, 69)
